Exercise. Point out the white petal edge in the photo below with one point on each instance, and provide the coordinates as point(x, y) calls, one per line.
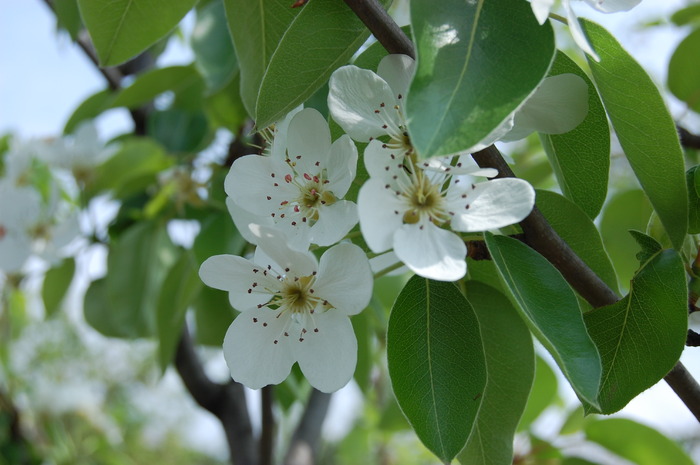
point(431, 252)
point(613, 6)
point(334, 222)
point(235, 275)
point(308, 137)
point(277, 246)
point(328, 357)
point(397, 70)
point(541, 9)
point(253, 358)
point(577, 32)
point(345, 278)
point(376, 206)
point(341, 165)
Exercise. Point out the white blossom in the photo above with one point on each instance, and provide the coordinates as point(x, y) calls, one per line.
point(293, 309)
point(19, 210)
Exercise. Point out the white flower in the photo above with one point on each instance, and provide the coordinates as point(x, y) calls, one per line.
point(301, 194)
point(293, 310)
point(368, 106)
point(407, 207)
point(19, 211)
point(541, 8)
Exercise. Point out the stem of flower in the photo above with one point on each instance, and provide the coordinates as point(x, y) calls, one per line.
point(559, 18)
point(387, 270)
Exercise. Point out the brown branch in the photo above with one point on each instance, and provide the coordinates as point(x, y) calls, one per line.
point(226, 401)
point(538, 233)
point(380, 24)
point(304, 445)
point(267, 434)
point(688, 139)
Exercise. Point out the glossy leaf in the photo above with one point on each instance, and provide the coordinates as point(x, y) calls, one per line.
point(56, 283)
point(121, 29)
point(225, 107)
point(178, 130)
point(642, 336)
point(213, 315)
point(436, 363)
point(123, 304)
point(214, 56)
point(180, 287)
point(510, 368)
point(542, 395)
point(626, 210)
point(477, 62)
point(581, 157)
point(645, 129)
point(550, 308)
point(68, 17)
point(579, 232)
point(90, 108)
point(155, 82)
point(278, 48)
point(637, 443)
point(683, 75)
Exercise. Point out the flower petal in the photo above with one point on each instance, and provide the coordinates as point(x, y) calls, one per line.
point(559, 104)
point(308, 141)
point(345, 278)
point(247, 288)
point(384, 261)
point(613, 6)
point(577, 32)
point(541, 8)
point(382, 161)
point(327, 357)
point(353, 97)
point(491, 204)
point(258, 184)
point(278, 147)
point(341, 165)
point(250, 352)
point(15, 249)
point(431, 252)
point(334, 222)
point(397, 71)
point(381, 214)
point(242, 218)
point(276, 245)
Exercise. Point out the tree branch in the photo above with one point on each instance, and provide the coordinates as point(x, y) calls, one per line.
point(538, 233)
point(304, 445)
point(267, 435)
point(688, 139)
point(226, 401)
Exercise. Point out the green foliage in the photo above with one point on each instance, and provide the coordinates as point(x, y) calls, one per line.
point(510, 371)
point(150, 84)
point(683, 78)
point(477, 62)
point(215, 58)
point(121, 29)
point(90, 108)
point(436, 363)
point(692, 177)
point(645, 130)
point(581, 157)
point(550, 308)
point(56, 283)
point(642, 336)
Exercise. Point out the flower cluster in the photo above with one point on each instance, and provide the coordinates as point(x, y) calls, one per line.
point(291, 198)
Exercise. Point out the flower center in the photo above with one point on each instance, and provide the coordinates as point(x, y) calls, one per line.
point(425, 200)
point(297, 296)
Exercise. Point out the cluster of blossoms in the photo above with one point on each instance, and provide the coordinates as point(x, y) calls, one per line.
point(39, 185)
point(295, 309)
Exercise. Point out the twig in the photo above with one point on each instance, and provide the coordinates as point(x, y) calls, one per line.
point(226, 401)
point(267, 434)
point(538, 233)
point(304, 445)
point(688, 139)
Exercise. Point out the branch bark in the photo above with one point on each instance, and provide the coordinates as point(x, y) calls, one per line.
point(538, 233)
point(226, 401)
point(304, 445)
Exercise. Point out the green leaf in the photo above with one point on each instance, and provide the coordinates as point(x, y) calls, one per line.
point(68, 17)
point(687, 15)
point(153, 83)
point(477, 62)
point(180, 131)
point(645, 129)
point(121, 29)
point(218, 235)
point(581, 157)
point(579, 232)
point(636, 442)
point(642, 336)
point(692, 178)
point(90, 108)
point(649, 245)
point(626, 210)
point(225, 107)
point(56, 282)
point(550, 308)
point(510, 368)
point(180, 287)
point(436, 363)
point(123, 304)
point(133, 167)
point(213, 315)
point(321, 38)
point(683, 76)
point(212, 46)
point(543, 393)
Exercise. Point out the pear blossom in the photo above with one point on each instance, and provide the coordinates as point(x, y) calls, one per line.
point(19, 210)
point(541, 9)
point(370, 106)
point(299, 189)
point(408, 207)
point(293, 309)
